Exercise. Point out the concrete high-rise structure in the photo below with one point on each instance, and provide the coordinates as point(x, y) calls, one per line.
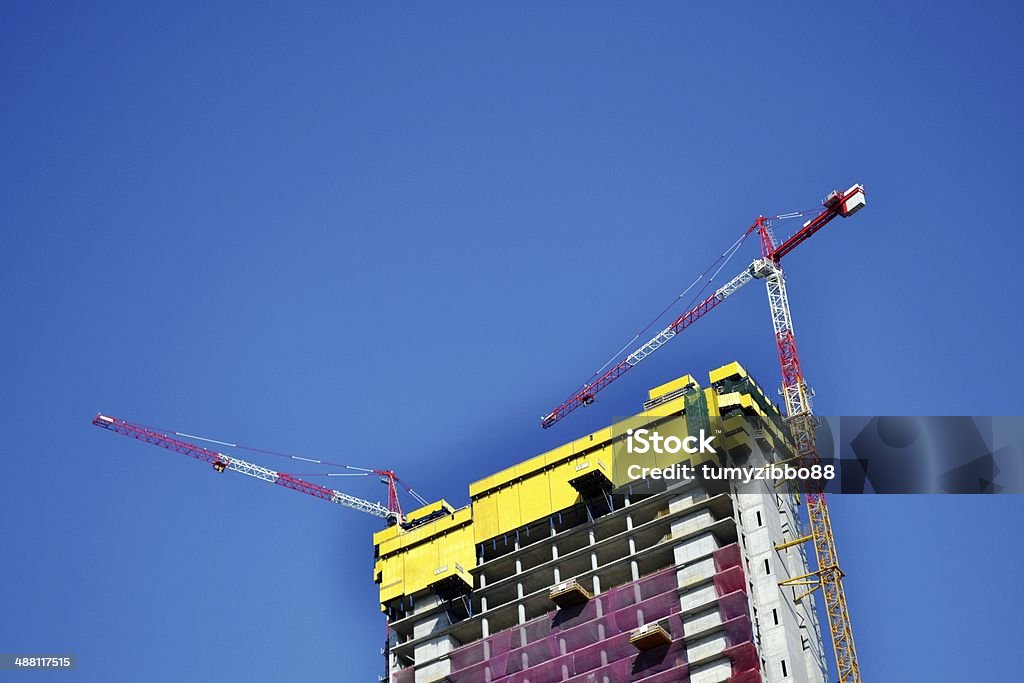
point(564, 568)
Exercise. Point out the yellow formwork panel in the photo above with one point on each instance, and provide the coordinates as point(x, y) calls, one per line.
point(537, 493)
point(540, 486)
point(729, 371)
point(390, 574)
point(427, 509)
point(421, 533)
point(534, 494)
point(411, 560)
point(669, 387)
point(385, 534)
point(421, 556)
point(751, 407)
point(537, 463)
point(485, 518)
point(509, 516)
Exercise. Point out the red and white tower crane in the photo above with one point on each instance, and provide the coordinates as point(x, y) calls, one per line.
point(391, 513)
point(795, 393)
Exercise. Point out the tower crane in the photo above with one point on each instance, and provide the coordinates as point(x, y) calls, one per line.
point(795, 393)
point(392, 513)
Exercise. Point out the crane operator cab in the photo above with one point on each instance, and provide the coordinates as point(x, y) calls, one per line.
point(220, 465)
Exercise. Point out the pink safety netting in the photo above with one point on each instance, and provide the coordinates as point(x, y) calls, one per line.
point(484, 672)
point(648, 611)
point(665, 658)
point(533, 654)
point(680, 674)
point(730, 580)
point(577, 637)
point(403, 675)
point(557, 669)
point(617, 672)
point(611, 649)
point(531, 631)
point(590, 643)
point(733, 605)
point(738, 630)
point(728, 556)
point(743, 658)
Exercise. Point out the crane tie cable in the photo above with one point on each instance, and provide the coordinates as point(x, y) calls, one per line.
point(727, 255)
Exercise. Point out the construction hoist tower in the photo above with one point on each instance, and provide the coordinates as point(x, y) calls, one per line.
point(795, 393)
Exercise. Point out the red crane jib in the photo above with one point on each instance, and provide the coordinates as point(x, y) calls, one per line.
point(835, 204)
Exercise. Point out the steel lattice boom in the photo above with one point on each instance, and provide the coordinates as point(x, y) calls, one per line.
point(222, 462)
point(585, 396)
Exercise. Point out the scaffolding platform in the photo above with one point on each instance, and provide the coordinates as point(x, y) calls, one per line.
point(593, 484)
point(569, 594)
point(649, 637)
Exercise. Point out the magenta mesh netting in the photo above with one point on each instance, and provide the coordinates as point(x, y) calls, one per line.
point(728, 556)
point(557, 669)
point(646, 612)
point(677, 675)
point(647, 587)
point(600, 654)
point(617, 672)
point(733, 605)
point(478, 651)
point(484, 672)
point(585, 634)
point(620, 597)
point(590, 643)
point(530, 655)
point(738, 630)
point(403, 675)
point(660, 659)
point(743, 658)
point(531, 631)
point(658, 583)
point(730, 580)
point(574, 616)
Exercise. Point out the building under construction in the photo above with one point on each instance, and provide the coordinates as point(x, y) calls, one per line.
point(562, 568)
point(567, 567)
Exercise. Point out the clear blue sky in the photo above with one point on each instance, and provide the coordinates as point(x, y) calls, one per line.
point(396, 234)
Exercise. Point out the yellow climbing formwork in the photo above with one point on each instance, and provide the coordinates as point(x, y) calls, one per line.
point(413, 560)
